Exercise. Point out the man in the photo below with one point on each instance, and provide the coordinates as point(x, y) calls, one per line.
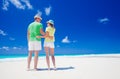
point(34, 44)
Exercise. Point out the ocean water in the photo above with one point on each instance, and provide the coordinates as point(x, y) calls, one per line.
point(43, 55)
point(65, 52)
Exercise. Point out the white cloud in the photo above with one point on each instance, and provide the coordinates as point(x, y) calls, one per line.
point(5, 48)
point(20, 4)
point(27, 4)
point(48, 10)
point(104, 20)
point(12, 39)
point(5, 5)
point(17, 4)
point(66, 40)
point(8, 48)
point(2, 33)
point(16, 48)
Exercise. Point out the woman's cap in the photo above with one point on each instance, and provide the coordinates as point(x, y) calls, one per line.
point(51, 22)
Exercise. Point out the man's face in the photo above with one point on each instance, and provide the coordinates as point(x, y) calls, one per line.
point(38, 19)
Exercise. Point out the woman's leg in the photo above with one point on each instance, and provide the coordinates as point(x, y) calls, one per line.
point(53, 57)
point(47, 57)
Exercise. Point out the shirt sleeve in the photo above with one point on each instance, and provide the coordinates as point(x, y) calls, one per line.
point(41, 26)
point(47, 29)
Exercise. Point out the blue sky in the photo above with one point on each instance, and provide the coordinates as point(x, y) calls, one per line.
point(85, 26)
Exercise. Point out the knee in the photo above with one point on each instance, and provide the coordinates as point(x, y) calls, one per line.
point(52, 55)
point(30, 55)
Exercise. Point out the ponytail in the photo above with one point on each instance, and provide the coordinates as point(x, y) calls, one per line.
point(52, 25)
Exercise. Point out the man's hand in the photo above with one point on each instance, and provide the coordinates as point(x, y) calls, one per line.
point(51, 37)
point(38, 36)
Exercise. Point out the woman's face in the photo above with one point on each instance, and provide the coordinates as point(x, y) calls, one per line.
point(48, 24)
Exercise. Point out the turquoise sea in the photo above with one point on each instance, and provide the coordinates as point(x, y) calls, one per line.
point(61, 52)
point(43, 55)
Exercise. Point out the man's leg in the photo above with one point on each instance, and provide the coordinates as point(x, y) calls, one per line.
point(36, 59)
point(29, 59)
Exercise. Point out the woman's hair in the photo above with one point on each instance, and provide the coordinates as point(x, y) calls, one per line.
point(52, 25)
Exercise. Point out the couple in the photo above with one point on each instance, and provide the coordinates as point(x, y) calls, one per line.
point(34, 35)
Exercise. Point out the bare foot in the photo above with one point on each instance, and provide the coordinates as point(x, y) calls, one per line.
point(35, 69)
point(48, 69)
point(28, 69)
point(55, 68)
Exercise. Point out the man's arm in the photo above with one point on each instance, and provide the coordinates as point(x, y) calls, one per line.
point(46, 35)
point(28, 35)
point(42, 32)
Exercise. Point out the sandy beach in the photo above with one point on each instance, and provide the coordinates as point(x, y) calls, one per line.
point(76, 67)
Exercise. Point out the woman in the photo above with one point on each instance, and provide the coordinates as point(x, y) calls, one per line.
point(49, 43)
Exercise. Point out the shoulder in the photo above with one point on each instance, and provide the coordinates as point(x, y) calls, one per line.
point(37, 23)
point(47, 28)
point(40, 23)
point(31, 23)
point(50, 29)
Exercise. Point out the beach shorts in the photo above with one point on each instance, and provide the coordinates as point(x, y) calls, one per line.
point(34, 46)
point(49, 44)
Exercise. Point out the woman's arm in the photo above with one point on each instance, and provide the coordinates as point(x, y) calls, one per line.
point(45, 35)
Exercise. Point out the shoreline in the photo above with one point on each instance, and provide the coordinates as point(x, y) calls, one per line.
point(21, 58)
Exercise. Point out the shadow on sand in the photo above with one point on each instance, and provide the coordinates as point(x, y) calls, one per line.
point(65, 68)
point(59, 68)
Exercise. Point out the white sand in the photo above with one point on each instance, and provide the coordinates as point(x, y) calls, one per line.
point(79, 67)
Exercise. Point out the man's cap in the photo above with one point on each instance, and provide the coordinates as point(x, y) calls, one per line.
point(37, 16)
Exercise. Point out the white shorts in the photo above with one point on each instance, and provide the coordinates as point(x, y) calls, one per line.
point(49, 44)
point(34, 45)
